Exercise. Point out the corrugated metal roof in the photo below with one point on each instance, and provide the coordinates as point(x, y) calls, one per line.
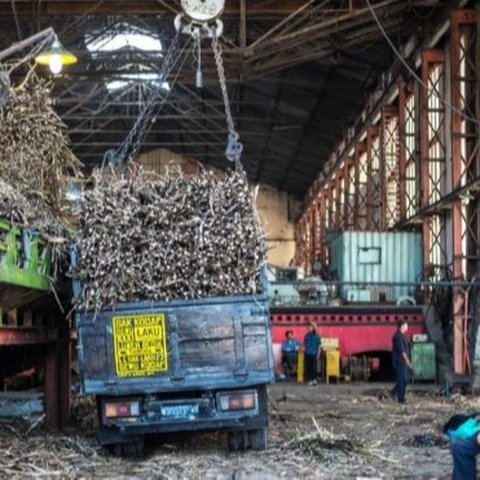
point(294, 91)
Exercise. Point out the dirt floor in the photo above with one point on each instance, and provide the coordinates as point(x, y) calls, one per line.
point(327, 431)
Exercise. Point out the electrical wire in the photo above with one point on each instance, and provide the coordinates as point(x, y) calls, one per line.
point(413, 73)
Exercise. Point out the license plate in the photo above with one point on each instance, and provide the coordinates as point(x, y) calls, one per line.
point(189, 410)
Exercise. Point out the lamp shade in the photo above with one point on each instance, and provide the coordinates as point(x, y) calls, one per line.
point(56, 51)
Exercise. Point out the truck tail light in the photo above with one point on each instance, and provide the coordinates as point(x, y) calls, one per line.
point(122, 409)
point(237, 401)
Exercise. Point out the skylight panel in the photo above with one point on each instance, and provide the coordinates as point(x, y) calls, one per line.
point(126, 37)
point(114, 40)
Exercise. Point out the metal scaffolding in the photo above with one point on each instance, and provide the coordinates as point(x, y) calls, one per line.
point(390, 166)
point(465, 68)
point(416, 165)
point(433, 165)
point(409, 164)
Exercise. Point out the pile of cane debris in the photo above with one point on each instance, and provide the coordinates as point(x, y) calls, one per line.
point(27, 452)
point(325, 445)
point(167, 237)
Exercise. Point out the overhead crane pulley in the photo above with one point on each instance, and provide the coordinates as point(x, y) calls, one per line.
point(199, 20)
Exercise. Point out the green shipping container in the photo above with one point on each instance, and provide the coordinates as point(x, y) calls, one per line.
point(424, 361)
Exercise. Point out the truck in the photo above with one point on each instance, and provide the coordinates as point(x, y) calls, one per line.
point(178, 366)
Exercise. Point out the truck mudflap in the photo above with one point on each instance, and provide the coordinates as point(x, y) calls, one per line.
point(126, 419)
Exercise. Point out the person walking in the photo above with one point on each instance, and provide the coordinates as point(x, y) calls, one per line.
point(400, 361)
point(312, 354)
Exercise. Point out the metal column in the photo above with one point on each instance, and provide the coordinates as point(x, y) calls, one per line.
point(361, 180)
point(465, 68)
point(349, 210)
point(340, 198)
point(433, 157)
point(390, 171)
point(409, 164)
point(374, 196)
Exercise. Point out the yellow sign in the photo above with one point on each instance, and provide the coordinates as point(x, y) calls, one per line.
point(140, 345)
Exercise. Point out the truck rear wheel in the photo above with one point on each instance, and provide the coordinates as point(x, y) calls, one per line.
point(244, 439)
point(130, 449)
point(258, 438)
point(237, 440)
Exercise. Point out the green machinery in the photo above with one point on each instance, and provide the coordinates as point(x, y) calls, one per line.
point(25, 257)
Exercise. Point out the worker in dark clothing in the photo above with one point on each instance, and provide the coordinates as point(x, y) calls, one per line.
point(463, 432)
point(400, 361)
point(289, 353)
point(312, 354)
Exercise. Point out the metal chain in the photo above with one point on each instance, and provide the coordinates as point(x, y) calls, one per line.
point(129, 148)
point(234, 149)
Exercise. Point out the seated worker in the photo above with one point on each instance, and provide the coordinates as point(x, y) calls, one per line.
point(463, 432)
point(289, 353)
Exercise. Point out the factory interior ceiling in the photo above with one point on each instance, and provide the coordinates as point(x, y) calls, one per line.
point(298, 75)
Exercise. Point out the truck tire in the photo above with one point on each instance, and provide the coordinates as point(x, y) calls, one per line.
point(237, 441)
point(258, 438)
point(130, 449)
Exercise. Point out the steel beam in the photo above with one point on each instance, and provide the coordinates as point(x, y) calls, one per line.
point(402, 154)
point(256, 8)
point(465, 97)
point(350, 192)
point(15, 336)
point(243, 23)
point(359, 222)
point(320, 229)
point(64, 373)
point(51, 397)
point(389, 166)
point(346, 192)
point(375, 102)
point(374, 200)
point(433, 155)
point(340, 196)
point(332, 194)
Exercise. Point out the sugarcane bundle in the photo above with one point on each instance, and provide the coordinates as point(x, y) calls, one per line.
point(35, 158)
point(166, 237)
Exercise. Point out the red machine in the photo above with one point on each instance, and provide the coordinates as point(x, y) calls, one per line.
point(360, 330)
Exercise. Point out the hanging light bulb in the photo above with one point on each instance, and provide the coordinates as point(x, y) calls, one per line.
point(56, 57)
point(55, 64)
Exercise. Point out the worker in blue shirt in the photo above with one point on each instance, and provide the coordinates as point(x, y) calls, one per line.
point(400, 361)
point(312, 354)
point(289, 353)
point(463, 432)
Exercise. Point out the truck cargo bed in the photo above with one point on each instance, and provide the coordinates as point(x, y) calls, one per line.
point(175, 346)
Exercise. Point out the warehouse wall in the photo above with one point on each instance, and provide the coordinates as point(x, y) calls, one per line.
point(278, 211)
